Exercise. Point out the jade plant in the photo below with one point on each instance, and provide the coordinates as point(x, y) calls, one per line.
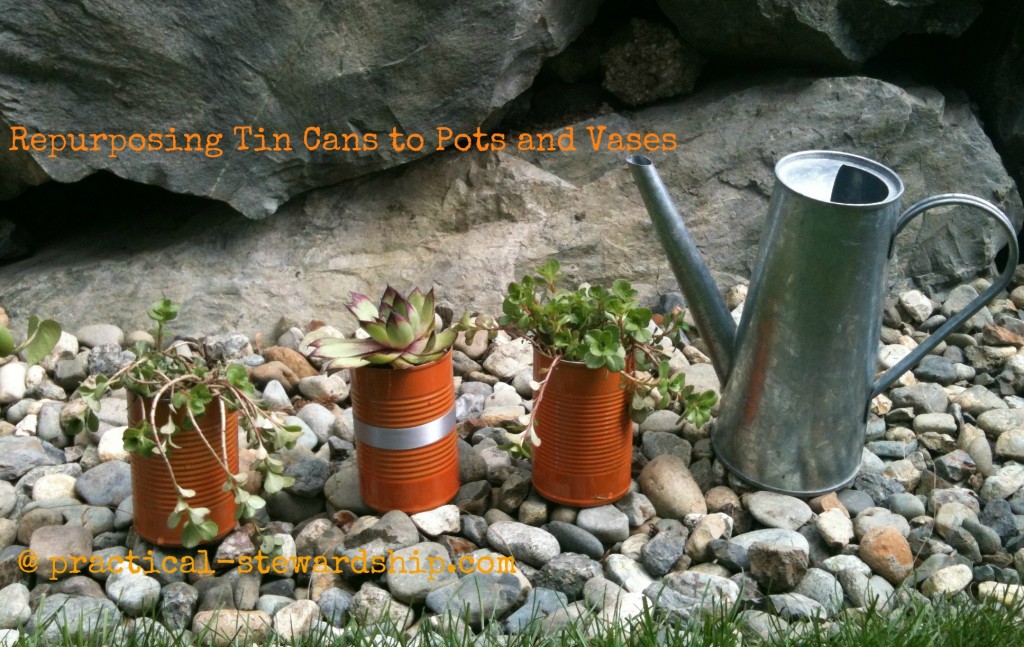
point(398, 331)
point(182, 377)
point(603, 328)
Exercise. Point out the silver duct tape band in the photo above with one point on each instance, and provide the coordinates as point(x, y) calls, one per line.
point(405, 437)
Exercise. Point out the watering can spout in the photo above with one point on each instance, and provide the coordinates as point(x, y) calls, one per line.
point(714, 322)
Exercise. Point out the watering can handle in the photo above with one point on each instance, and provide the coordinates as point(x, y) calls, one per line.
point(959, 318)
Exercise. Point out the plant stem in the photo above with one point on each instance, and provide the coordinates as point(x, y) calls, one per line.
point(531, 431)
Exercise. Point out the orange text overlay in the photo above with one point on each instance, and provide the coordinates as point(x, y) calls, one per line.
point(249, 139)
point(362, 563)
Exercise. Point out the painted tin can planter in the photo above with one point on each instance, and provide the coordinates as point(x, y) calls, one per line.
point(195, 468)
point(406, 443)
point(586, 435)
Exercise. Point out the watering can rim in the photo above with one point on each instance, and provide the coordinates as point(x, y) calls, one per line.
point(885, 174)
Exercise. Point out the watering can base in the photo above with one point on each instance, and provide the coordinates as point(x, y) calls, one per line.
point(781, 489)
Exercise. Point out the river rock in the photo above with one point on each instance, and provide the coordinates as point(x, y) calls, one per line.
point(573, 539)
point(702, 586)
point(445, 519)
point(16, 610)
point(779, 510)
point(777, 567)
point(107, 484)
point(19, 454)
point(567, 574)
point(822, 587)
point(887, 552)
point(627, 573)
point(667, 482)
point(1003, 483)
point(134, 593)
point(998, 421)
point(976, 400)
point(477, 597)
point(12, 382)
point(62, 614)
point(947, 581)
point(835, 527)
point(178, 602)
point(606, 522)
point(342, 490)
point(412, 585)
point(57, 546)
point(224, 627)
point(534, 546)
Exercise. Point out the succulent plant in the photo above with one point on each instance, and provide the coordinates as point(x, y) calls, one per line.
point(399, 331)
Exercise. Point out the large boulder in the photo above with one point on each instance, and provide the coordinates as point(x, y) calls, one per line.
point(352, 66)
point(468, 223)
point(829, 33)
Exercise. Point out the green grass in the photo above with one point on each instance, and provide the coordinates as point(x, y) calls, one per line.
point(953, 622)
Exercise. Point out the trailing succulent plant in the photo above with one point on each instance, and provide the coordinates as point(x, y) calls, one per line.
point(399, 331)
point(603, 328)
point(181, 376)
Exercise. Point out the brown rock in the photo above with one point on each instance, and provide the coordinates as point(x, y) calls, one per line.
point(722, 499)
point(667, 482)
point(322, 579)
point(827, 502)
point(994, 335)
point(264, 373)
point(344, 519)
point(293, 359)
point(456, 546)
point(776, 567)
point(887, 553)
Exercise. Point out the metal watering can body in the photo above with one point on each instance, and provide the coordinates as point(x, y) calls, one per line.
point(798, 373)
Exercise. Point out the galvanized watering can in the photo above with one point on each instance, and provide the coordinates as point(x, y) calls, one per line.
point(798, 373)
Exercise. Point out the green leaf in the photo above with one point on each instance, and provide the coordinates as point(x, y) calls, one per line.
point(622, 289)
point(208, 530)
point(400, 331)
point(168, 428)
point(74, 427)
point(274, 482)
point(191, 535)
point(179, 400)
point(197, 515)
point(238, 377)
point(362, 308)
point(378, 332)
point(43, 336)
point(615, 363)
point(6, 342)
point(549, 270)
point(174, 519)
point(163, 311)
point(137, 440)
